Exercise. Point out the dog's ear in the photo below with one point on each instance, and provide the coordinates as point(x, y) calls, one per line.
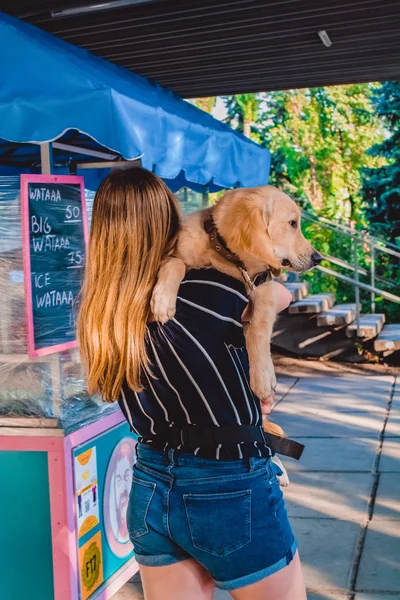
point(243, 219)
point(267, 209)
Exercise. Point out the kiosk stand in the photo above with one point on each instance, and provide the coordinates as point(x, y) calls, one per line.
point(67, 458)
point(64, 532)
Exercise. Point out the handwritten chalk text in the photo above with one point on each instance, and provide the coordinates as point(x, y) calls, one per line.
point(44, 194)
point(54, 298)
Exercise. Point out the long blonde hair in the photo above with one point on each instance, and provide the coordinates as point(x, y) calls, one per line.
point(135, 224)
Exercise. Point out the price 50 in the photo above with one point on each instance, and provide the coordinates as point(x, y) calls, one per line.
point(72, 212)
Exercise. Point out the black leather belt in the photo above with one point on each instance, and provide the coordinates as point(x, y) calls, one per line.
point(194, 436)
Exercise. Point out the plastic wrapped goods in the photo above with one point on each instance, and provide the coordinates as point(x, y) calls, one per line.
point(51, 386)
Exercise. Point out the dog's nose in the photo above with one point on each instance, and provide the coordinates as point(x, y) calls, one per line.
point(316, 258)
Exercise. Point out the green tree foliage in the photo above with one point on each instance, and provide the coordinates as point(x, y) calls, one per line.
point(381, 186)
point(244, 111)
point(206, 104)
point(319, 139)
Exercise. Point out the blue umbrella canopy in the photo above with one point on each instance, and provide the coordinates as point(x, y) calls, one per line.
point(51, 90)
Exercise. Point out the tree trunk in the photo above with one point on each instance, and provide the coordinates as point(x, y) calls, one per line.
point(246, 127)
point(316, 200)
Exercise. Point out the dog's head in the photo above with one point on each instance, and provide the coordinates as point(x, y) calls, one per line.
point(264, 223)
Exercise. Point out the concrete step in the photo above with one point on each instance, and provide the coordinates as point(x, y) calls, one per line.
point(298, 290)
point(340, 314)
point(370, 326)
point(314, 304)
point(389, 339)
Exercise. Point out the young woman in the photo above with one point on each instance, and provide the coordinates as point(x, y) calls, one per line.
point(205, 505)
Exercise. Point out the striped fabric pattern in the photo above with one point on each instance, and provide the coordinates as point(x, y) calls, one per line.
point(200, 368)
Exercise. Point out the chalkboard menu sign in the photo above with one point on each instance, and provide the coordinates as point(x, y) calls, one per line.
point(54, 226)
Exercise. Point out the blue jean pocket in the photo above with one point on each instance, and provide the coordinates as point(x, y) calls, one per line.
point(219, 523)
point(140, 498)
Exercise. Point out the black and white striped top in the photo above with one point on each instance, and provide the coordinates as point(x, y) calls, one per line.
point(200, 366)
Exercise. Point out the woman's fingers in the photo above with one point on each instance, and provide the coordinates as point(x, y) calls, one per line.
point(267, 403)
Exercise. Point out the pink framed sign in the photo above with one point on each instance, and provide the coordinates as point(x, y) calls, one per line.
point(54, 237)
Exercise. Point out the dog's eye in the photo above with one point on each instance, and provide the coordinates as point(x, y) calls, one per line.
point(293, 224)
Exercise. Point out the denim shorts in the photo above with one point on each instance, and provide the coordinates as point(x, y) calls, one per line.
point(227, 515)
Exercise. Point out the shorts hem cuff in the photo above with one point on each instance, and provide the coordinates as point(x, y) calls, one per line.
point(158, 560)
point(233, 584)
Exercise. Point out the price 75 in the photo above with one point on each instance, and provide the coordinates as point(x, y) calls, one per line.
point(75, 258)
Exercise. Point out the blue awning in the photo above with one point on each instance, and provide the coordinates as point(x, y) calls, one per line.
point(51, 90)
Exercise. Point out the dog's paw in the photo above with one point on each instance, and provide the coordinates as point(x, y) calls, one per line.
point(163, 304)
point(284, 478)
point(263, 379)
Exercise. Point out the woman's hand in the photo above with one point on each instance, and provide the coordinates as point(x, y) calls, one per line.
point(266, 405)
point(283, 300)
point(284, 297)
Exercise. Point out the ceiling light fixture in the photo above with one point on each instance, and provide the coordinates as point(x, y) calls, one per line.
point(325, 39)
point(82, 10)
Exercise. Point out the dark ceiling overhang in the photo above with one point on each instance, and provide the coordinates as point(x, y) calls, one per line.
point(215, 47)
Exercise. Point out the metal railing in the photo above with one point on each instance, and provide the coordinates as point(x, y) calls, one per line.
point(375, 245)
point(361, 235)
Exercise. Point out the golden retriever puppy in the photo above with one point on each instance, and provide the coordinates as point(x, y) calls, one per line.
point(260, 228)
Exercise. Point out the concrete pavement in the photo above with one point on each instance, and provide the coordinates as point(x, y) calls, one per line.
point(344, 497)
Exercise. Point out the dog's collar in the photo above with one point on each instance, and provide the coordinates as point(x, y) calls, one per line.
point(219, 245)
point(218, 242)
